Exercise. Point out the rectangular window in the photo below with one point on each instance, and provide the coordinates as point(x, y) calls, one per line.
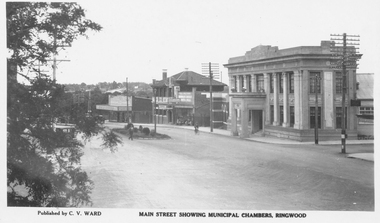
point(260, 83)
point(291, 83)
point(315, 85)
point(241, 81)
point(281, 83)
point(366, 110)
point(312, 117)
point(338, 117)
point(281, 115)
point(291, 116)
point(338, 83)
point(271, 83)
point(271, 114)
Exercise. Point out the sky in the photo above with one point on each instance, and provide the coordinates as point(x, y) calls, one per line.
point(141, 38)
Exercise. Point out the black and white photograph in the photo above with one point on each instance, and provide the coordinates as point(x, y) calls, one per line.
point(190, 111)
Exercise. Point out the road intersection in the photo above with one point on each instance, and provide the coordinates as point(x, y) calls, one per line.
point(211, 171)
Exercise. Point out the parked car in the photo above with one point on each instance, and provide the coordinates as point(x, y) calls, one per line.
point(67, 129)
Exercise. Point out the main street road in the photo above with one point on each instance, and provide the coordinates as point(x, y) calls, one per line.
point(209, 171)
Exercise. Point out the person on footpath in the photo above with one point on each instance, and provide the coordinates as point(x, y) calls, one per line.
point(196, 128)
point(131, 127)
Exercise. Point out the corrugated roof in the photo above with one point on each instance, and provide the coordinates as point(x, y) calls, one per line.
point(365, 81)
point(192, 78)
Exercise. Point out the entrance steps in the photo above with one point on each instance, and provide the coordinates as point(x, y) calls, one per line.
point(259, 133)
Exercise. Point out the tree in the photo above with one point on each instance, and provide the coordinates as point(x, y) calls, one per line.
point(114, 85)
point(83, 86)
point(43, 165)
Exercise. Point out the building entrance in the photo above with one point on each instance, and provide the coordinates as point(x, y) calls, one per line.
point(256, 120)
point(170, 116)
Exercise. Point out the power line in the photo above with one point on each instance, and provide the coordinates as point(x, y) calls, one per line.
point(345, 55)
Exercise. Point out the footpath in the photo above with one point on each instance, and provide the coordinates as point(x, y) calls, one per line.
point(273, 140)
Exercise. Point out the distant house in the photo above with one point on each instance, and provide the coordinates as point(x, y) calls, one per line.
point(184, 98)
point(139, 110)
point(364, 93)
point(118, 90)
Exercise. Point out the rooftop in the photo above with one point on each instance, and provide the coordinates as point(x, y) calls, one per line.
point(191, 78)
point(266, 52)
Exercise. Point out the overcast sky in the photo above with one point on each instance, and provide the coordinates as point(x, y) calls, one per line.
point(140, 38)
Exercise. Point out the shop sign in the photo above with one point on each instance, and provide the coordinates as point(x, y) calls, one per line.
point(106, 107)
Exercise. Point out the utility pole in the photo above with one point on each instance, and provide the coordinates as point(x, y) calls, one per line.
point(347, 56)
point(56, 52)
point(317, 87)
point(211, 102)
point(127, 113)
point(154, 106)
point(212, 70)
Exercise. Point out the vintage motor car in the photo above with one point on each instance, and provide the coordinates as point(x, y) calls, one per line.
point(67, 129)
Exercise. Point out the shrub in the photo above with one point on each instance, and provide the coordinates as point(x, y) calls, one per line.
point(146, 131)
point(152, 132)
point(135, 129)
point(140, 128)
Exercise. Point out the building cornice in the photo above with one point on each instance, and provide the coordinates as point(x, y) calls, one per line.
point(287, 58)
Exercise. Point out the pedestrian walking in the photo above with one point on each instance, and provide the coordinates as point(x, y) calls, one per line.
point(131, 127)
point(196, 128)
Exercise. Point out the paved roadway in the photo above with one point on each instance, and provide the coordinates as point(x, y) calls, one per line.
point(218, 172)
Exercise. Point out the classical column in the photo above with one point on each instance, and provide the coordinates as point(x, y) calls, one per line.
point(286, 99)
point(275, 99)
point(304, 106)
point(245, 86)
point(297, 98)
point(253, 83)
point(301, 99)
point(328, 94)
point(238, 88)
point(267, 92)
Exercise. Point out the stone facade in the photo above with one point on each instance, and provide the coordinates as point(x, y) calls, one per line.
point(273, 92)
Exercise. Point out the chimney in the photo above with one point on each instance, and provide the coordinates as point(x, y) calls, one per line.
point(327, 43)
point(186, 69)
point(164, 74)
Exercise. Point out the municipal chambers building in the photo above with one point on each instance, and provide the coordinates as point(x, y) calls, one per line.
point(278, 91)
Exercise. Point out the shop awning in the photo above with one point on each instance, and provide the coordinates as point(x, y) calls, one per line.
point(112, 108)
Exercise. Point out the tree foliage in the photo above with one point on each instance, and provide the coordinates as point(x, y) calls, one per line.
point(43, 164)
